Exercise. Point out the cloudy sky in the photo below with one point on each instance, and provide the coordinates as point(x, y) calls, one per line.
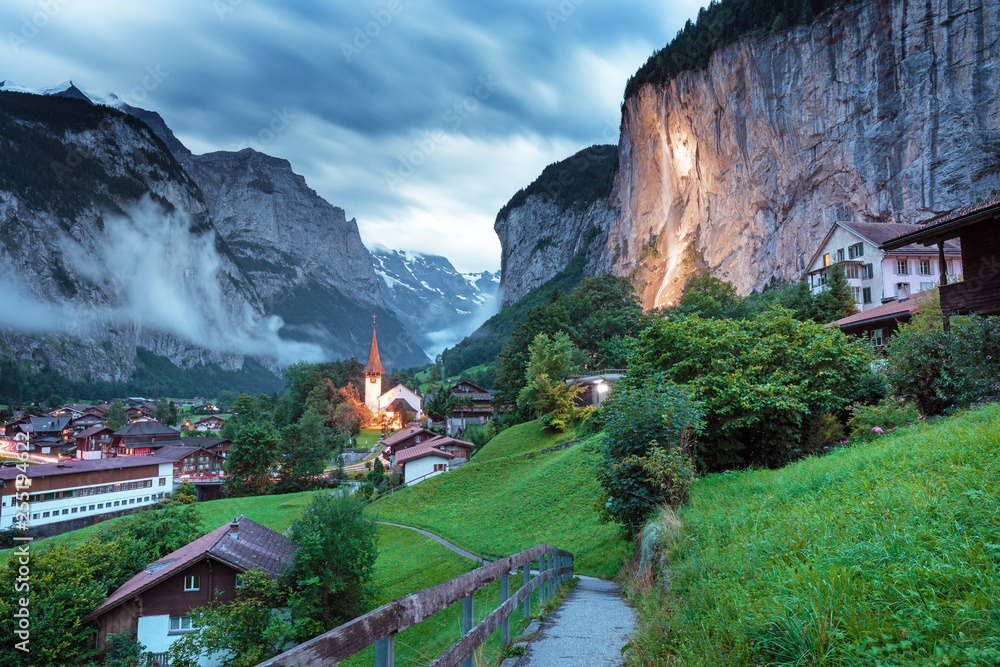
point(419, 117)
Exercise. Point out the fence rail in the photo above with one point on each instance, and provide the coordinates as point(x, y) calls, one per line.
point(380, 626)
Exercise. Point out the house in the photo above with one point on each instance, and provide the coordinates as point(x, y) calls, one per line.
point(72, 410)
point(594, 388)
point(978, 228)
point(218, 446)
point(86, 420)
point(156, 604)
point(422, 461)
point(212, 423)
point(138, 412)
point(94, 443)
point(474, 407)
point(142, 437)
point(97, 410)
point(402, 439)
point(191, 463)
point(51, 435)
point(15, 426)
point(399, 399)
point(878, 324)
point(72, 494)
point(205, 408)
point(877, 275)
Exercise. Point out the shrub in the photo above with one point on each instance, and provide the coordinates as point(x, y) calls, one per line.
point(824, 430)
point(890, 414)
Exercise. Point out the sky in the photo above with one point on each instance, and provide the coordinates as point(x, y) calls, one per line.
point(420, 118)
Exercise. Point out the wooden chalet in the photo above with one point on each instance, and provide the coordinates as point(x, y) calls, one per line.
point(155, 605)
point(94, 442)
point(15, 426)
point(978, 227)
point(142, 438)
point(879, 324)
point(191, 462)
point(211, 423)
point(407, 437)
point(87, 420)
point(51, 435)
point(218, 446)
point(476, 408)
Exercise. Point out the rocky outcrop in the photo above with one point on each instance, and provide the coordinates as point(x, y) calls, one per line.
point(878, 112)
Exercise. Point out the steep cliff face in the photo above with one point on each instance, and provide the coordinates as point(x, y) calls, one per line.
point(880, 112)
point(304, 257)
point(102, 234)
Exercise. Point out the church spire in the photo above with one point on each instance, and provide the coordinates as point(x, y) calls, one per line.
point(374, 366)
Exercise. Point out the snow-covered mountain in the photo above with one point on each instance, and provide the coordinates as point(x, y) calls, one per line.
point(437, 304)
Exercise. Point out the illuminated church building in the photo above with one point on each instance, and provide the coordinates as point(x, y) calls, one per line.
point(392, 405)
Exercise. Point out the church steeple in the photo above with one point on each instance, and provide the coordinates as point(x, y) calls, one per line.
point(373, 374)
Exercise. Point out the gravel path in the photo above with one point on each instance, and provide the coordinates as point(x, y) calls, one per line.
point(438, 539)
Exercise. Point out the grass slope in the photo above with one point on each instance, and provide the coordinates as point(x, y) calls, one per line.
point(887, 553)
point(509, 498)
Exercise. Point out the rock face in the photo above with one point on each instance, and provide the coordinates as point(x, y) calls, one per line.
point(437, 304)
point(879, 112)
point(305, 259)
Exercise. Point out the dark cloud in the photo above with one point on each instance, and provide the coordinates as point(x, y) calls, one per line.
point(490, 92)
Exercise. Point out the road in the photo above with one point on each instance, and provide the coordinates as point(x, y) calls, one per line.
point(7, 451)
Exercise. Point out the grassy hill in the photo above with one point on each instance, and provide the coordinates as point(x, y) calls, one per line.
point(510, 498)
point(883, 553)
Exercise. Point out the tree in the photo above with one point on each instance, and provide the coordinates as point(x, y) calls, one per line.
point(438, 407)
point(116, 416)
point(165, 412)
point(250, 460)
point(551, 360)
point(55, 400)
point(331, 572)
point(241, 633)
point(377, 474)
point(161, 530)
point(305, 452)
point(837, 300)
point(125, 650)
point(707, 296)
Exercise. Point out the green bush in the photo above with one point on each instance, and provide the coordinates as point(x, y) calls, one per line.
point(870, 421)
point(763, 380)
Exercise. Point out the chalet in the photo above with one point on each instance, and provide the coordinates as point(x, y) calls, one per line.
point(73, 494)
point(72, 410)
point(191, 462)
point(878, 324)
point(877, 275)
point(978, 228)
point(138, 412)
point(155, 605)
point(15, 426)
point(143, 437)
point(594, 388)
point(212, 423)
point(407, 437)
point(417, 444)
point(86, 420)
point(460, 449)
point(97, 410)
point(422, 461)
point(94, 443)
point(218, 446)
point(205, 408)
point(51, 435)
point(474, 407)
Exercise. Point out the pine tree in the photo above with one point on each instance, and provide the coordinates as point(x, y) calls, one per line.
point(837, 300)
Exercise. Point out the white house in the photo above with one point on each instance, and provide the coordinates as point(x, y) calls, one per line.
point(424, 460)
point(876, 276)
point(409, 399)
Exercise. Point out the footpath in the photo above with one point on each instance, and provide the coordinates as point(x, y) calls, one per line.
point(588, 629)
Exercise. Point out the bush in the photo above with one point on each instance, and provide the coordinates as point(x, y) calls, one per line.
point(888, 415)
point(824, 430)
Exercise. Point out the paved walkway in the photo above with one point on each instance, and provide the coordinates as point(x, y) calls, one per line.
point(588, 629)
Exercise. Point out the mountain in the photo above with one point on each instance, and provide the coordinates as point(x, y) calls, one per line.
point(437, 304)
point(112, 245)
point(875, 112)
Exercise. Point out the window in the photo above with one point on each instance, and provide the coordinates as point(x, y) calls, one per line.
point(926, 286)
point(439, 467)
point(181, 624)
point(66, 511)
point(902, 290)
point(840, 255)
point(857, 294)
point(100, 506)
point(91, 508)
point(45, 515)
point(856, 250)
point(867, 272)
point(851, 271)
point(192, 582)
point(74, 510)
point(163, 481)
point(826, 259)
point(877, 337)
point(925, 267)
point(116, 503)
point(902, 267)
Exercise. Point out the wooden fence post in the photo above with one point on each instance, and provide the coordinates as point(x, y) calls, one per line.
point(504, 594)
point(526, 568)
point(467, 623)
point(541, 589)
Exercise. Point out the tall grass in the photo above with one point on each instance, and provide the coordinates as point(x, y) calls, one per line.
point(882, 554)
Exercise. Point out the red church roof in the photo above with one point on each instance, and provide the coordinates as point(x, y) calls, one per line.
point(374, 365)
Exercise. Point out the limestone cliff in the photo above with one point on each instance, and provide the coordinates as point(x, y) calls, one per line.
point(879, 112)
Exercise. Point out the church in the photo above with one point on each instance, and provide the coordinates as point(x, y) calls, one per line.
point(389, 408)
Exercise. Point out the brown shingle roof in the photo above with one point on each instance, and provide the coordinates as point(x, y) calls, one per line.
point(420, 451)
point(399, 436)
point(897, 308)
point(257, 546)
point(445, 441)
point(880, 232)
point(147, 428)
point(176, 452)
point(93, 430)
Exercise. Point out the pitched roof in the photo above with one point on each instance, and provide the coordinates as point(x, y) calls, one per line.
point(893, 309)
point(150, 427)
point(49, 424)
point(445, 441)
point(257, 546)
point(878, 233)
point(399, 436)
point(93, 430)
point(946, 225)
point(374, 365)
point(82, 465)
point(206, 443)
point(420, 451)
point(177, 452)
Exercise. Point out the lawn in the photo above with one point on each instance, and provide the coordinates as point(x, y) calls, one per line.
point(885, 553)
point(506, 503)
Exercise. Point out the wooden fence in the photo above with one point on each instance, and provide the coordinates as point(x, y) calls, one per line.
point(379, 627)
